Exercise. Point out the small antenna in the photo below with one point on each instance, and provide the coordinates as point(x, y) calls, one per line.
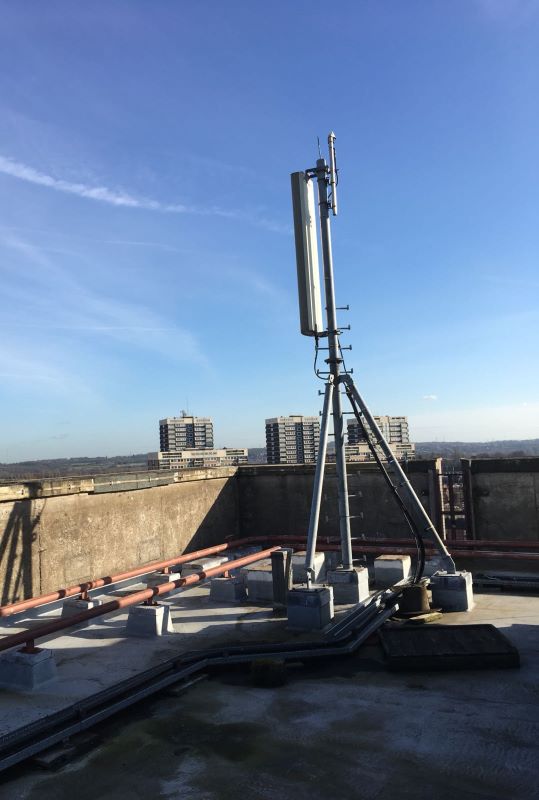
point(319, 150)
point(333, 172)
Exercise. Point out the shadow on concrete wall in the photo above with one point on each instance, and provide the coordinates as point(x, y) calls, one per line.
point(16, 552)
point(221, 520)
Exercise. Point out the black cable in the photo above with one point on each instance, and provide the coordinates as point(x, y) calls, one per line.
point(316, 356)
point(316, 350)
point(420, 565)
point(420, 562)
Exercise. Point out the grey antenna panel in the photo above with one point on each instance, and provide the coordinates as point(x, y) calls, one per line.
point(304, 210)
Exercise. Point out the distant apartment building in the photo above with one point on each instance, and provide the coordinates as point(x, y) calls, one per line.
point(186, 442)
point(189, 459)
point(395, 431)
point(185, 433)
point(292, 440)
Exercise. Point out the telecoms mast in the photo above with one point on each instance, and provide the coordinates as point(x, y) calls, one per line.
point(312, 324)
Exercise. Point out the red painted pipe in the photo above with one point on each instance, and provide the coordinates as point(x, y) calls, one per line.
point(507, 556)
point(357, 548)
point(72, 591)
point(462, 554)
point(518, 544)
point(475, 544)
point(460, 544)
point(369, 545)
point(388, 546)
point(28, 637)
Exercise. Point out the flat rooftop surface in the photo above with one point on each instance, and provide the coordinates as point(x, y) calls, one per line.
point(343, 730)
point(101, 654)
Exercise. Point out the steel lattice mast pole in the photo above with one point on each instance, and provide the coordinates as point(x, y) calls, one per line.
point(334, 359)
point(311, 325)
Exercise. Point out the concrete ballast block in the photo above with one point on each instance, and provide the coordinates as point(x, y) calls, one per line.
point(201, 565)
point(298, 567)
point(432, 565)
point(452, 592)
point(27, 671)
point(227, 590)
point(148, 621)
point(349, 585)
point(159, 578)
point(332, 559)
point(391, 569)
point(260, 585)
point(75, 605)
point(310, 609)
point(259, 566)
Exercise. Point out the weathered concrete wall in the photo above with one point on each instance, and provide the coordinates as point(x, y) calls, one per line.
point(62, 538)
point(58, 532)
point(502, 498)
point(277, 499)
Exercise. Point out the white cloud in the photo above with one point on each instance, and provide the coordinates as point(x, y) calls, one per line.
point(120, 198)
point(116, 198)
point(55, 301)
point(37, 368)
point(430, 397)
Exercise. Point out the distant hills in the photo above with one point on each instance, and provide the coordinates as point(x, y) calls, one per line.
point(503, 448)
point(62, 467)
point(73, 467)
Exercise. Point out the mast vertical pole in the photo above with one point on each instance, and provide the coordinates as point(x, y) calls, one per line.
point(318, 483)
point(334, 361)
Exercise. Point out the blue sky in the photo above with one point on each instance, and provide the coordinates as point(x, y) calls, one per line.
point(146, 254)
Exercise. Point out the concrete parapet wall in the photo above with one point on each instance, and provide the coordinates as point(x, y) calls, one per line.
point(276, 499)
point(59, 532)
point(64, 531)
point(118, 482)
point(502, 498)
